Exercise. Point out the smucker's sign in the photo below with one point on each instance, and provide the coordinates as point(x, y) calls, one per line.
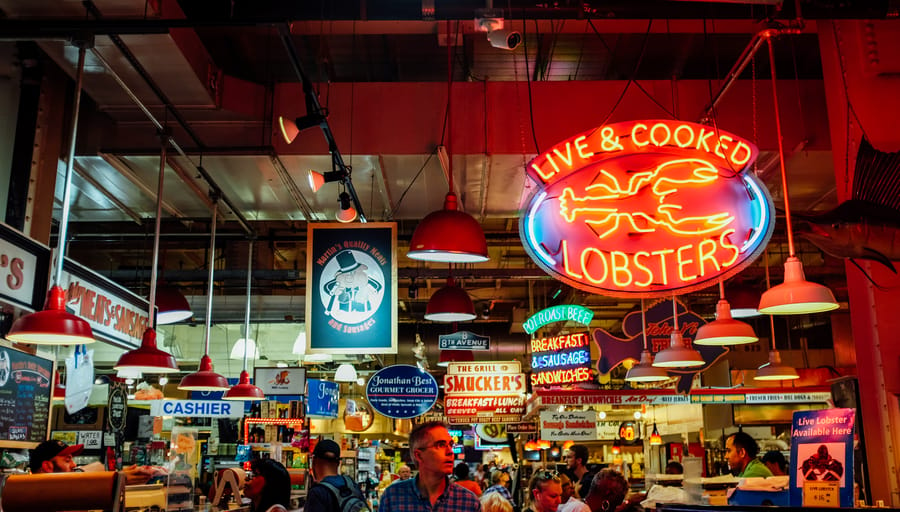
point(646, 208)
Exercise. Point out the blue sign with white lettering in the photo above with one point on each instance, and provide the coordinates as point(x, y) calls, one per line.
point(464, 340)
point(402, 391)
point(323, 398)
point(197, 408)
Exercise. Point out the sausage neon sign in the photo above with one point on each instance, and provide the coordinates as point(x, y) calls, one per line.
point(646, 208)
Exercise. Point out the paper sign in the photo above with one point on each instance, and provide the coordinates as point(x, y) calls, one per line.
point(90, 439)
point(821, 494)
point(574, 425)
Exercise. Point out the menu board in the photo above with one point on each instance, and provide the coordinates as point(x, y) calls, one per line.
point(25, 387)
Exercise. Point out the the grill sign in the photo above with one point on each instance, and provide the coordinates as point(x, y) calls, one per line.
point(484, 392)
point(646, 208)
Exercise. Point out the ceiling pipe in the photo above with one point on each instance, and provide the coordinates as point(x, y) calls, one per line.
point(746, 56)
point(217, 190)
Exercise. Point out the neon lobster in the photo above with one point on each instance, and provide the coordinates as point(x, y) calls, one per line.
point(665, 180)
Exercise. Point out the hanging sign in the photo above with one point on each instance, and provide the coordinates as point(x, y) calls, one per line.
point(24, 265)
point(562, 359)
point(484, 392)
point(464, 340)
point(570, 425)
point(351, 297)
point(197, 408)
point(646, 209)
point(26, 382)
point(322, 398)
point(402, 391)
point(821, 467)
point(117, 406)
point(280, 381)
point(565, 313)
point(629, 432)
point(116, 315)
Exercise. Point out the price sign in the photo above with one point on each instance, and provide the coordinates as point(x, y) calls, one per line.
point(91, 439)
point(821, 494)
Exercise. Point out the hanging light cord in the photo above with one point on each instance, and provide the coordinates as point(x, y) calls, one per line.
point(247, 308)
point(449, 104)
point(721, 290)
point(70, 164)
point(784, 185)
point(674, 315)
point(771, 317)
point(212, 262)
point(644, 325)
point(155, 262)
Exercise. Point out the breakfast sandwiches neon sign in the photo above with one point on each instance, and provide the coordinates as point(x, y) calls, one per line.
point(646, 208)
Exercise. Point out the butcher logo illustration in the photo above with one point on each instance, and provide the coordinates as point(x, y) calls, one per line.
point(353, 287)
point(281, 379)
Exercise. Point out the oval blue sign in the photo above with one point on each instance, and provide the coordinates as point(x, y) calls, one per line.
point(402, 391)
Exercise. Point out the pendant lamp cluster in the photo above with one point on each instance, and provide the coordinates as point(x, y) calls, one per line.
point(205, 379)
point(243, 390)
point(54, 325)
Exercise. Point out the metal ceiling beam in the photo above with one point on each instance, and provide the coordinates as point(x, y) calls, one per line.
point(122, 167)
point(86, 176)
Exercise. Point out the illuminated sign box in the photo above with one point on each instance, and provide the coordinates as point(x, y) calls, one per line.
point(562, 359)
point(646, 208)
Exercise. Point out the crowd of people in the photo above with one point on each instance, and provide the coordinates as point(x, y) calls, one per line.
point(444, 485)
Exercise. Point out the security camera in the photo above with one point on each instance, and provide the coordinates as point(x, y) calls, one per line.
point(505, 39)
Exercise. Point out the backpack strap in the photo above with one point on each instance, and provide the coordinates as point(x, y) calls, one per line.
point(334, 490)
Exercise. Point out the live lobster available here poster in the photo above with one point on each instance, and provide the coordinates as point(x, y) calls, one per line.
point(821, 467)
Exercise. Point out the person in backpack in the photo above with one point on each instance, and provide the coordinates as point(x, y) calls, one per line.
point(332, 491)
point(431, 447)
point(268, 486)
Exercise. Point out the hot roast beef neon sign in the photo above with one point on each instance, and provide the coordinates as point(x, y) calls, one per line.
point(646, 208)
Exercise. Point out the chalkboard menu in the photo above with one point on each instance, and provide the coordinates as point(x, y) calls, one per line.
point(25, 387)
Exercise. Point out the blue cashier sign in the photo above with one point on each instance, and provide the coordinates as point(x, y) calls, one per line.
point(402, 391)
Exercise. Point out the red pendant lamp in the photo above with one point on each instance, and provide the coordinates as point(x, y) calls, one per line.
point(171, 306)
point(449, 235)
point(644, 371)
point(450, 304)
point(796, 295)
point(54, 325)
point(678, 354)
point(243, 390)
point(148, 358)
point(724, 330)
point(205, 379)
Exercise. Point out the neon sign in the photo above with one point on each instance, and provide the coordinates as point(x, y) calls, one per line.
point(646, 208)
point(578, 314)
point(561, 359)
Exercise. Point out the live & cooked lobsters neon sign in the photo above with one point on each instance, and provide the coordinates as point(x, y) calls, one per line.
point(646, 208)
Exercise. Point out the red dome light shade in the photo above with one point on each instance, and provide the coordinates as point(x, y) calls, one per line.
point(171, 306)
point(204, 379)
point(448, 235)
point(52, 326)
point(243, 390)
point(455, 356)
point(450, 304)
point(147, 358)
point(289, 130)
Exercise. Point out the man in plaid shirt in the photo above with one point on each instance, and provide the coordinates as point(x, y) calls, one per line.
point(431, 447)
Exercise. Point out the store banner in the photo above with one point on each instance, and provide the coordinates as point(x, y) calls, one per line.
point(484, 392)
point(402, 391)
point(464, 340)
point(116, 315)
point(322, 398)
point(24, 268)
point(280, 381)
point(351, 292)
point(821, 468)
point(565, 426)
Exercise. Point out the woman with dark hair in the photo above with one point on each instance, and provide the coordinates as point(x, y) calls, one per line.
point(268, 487)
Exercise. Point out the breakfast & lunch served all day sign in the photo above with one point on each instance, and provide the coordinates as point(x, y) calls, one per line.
point(484, 392)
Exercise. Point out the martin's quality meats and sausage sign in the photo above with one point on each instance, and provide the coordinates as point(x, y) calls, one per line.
point(484, 392)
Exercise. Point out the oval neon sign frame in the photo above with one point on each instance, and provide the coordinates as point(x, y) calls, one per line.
point(646, 209)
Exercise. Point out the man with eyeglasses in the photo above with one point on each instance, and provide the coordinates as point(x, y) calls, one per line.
point(431, 447)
